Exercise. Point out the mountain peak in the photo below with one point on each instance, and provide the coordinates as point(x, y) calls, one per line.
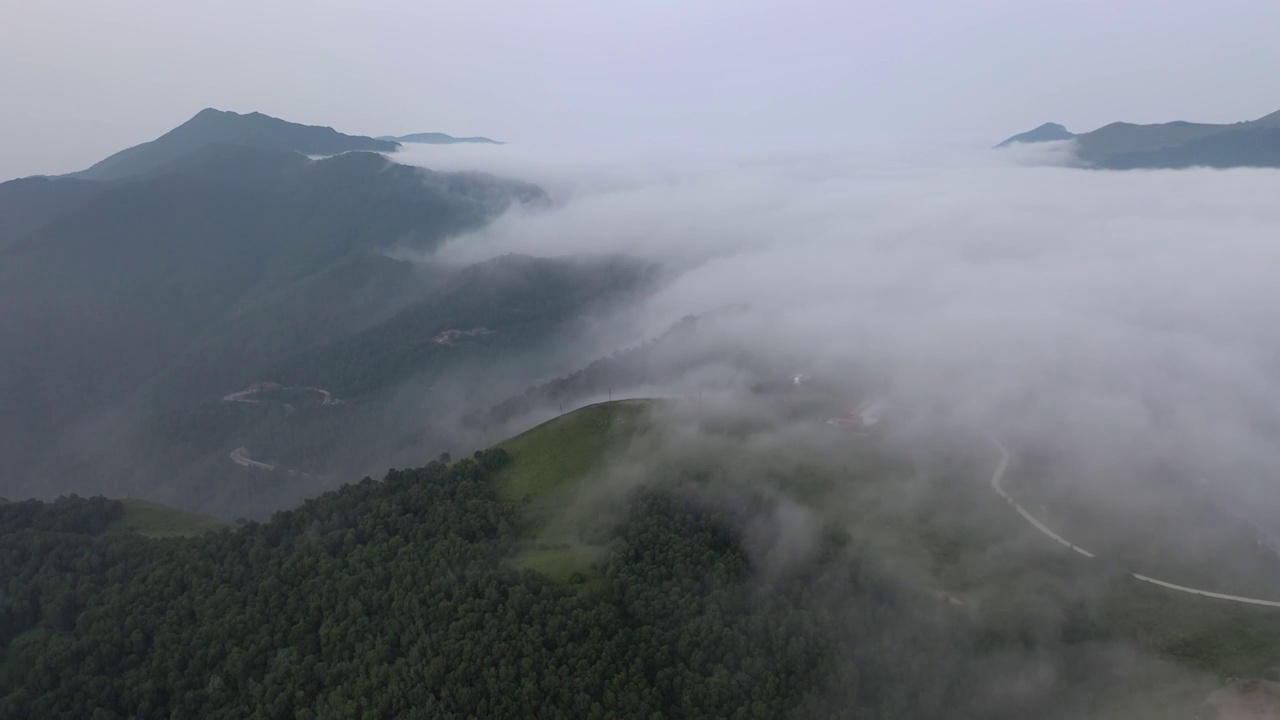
point(1047, 132)
point(1272, 120)
point(211, 126)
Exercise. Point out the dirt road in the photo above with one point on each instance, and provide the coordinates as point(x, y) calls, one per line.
point(997, 478)
point(240, 455)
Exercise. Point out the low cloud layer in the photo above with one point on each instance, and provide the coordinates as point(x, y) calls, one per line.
point(1112, 329)
point(1124, 319)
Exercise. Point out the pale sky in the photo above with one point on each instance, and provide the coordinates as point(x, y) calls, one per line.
point(83, 78)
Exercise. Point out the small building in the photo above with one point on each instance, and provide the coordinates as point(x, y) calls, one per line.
point(863, 420)
point(851, 419)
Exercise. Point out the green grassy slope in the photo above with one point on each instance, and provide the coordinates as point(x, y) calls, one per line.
point(1226, 639)
point(569, 476)
point(161, 521)
point(550, 455)
point(943, 530)
point(550, 465)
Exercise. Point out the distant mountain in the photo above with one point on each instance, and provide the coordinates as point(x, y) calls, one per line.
point(1048, 132)
point(1245, 147)
point(1178, 144)
point(138, 293)
point(434, 138)
point(212, 127)
point(486, 312)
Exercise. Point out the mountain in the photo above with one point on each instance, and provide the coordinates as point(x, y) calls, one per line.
point(1178, 144)
point(29, 203)
point(488, 311)
point(1175, 145)
point(124, 297)
point(1048, 132)
point(479, 335)
point(225, 225)
point(433, 138)
point(1256, 147)
point(210, 127)
point(135, 305)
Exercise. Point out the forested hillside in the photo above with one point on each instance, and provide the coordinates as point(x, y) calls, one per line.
point(390, 599)
point(487, 311)
point(142, 293)
point(155, 293)
point(399, 386)
point(402, 598)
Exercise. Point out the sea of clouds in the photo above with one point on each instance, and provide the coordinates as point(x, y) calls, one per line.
point(1125, 318)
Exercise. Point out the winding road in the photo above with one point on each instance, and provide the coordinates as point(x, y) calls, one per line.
point(240, 455)
point(246, 395)
point(998, 476)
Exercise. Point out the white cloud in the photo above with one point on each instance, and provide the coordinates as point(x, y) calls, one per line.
point(1112, 313)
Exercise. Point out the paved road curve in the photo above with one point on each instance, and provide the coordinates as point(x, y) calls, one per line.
point(998, 476)
point(240, 455)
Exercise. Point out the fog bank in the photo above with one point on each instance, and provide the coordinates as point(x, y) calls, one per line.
point(1124, 318)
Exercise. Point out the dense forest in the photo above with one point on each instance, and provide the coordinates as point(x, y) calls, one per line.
point(395, 599)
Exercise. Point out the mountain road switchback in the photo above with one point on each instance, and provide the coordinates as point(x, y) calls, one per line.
point(997, 477)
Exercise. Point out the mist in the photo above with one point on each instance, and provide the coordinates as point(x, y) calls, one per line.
point(1112, 326)
point(1120, 318)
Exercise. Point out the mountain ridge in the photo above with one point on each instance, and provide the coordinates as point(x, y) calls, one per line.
point(179, 283)
point(211, 126)
point(438, 138)
point(1048, 132)
point(1170, 145)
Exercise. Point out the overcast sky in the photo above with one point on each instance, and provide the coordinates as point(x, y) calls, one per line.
point(82, 78)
